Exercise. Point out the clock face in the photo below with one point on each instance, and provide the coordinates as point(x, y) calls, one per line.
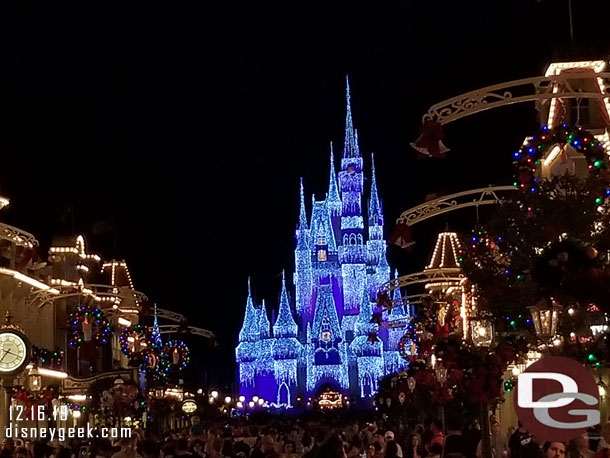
point(13, 352)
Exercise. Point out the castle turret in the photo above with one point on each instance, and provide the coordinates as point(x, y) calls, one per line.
point(398, 321)
point(247, 349)
point(303, 280)
point(286, 350)
point(352, 252)
point(265, 368)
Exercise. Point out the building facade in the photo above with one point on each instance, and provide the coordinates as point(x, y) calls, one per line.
point(323, 337)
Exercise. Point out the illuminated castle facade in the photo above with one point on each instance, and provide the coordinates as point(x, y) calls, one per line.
point(321, 336)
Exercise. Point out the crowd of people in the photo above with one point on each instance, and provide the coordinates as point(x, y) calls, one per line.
point(286, 438)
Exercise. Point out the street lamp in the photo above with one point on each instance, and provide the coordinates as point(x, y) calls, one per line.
point(482, 332)
point(35, 380)
point(411, 382)
point(228, 400)
point(214, 394)
point(545, 318)
point(441, 375)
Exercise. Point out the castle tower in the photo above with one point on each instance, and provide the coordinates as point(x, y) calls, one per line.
point(352, 251)
point(264, 359)
point(303, 280)
point(397, 319)
point(247, 348)
point(286, 351)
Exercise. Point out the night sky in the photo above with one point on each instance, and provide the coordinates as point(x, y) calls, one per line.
point(187, 129)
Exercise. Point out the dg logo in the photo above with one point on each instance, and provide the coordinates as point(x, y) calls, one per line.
point(557, 399)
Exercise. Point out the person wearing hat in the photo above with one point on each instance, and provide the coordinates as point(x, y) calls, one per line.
point(389, 436)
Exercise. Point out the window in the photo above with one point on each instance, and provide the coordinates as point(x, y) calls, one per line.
point(579, 112)
point(321, 255)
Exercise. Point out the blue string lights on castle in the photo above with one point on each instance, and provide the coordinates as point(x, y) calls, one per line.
point(322, 339)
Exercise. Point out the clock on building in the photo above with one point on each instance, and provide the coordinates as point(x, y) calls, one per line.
point(15, 348)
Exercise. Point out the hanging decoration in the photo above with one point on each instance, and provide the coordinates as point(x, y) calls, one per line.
point(134, 339)
point(407, 345)
point(430, 142)
point(88, 324)
point(402, 236)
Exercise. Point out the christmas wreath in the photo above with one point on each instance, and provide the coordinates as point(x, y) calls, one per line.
point(134, 339)
point(87, 324)
point(527, 159)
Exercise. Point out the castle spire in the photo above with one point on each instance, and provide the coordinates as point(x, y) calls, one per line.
point(263, 323)
point(249, 329)
point(285, 325)
point(349, 147)
point(156, 334)
point(375, 212)
point(302, 213)
point(398, 310)
point(334, 201)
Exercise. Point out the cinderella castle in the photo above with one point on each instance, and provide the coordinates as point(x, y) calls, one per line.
point(321, 340)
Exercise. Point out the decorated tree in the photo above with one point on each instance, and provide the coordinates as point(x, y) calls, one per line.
point(548, 247)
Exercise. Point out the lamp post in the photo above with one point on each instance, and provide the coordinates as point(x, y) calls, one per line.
point(482, 332)
point(35, 380)
point(482, 336)
point(546, 318)
point(441, 376)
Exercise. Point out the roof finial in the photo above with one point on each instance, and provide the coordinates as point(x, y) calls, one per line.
point(334, 200)
point(302, 212)
point(349, 144)
point(375, 212)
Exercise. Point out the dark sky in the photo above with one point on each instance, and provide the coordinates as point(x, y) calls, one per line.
point(189, 128)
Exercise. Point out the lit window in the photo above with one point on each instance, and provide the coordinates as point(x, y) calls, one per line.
point(321, 255)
